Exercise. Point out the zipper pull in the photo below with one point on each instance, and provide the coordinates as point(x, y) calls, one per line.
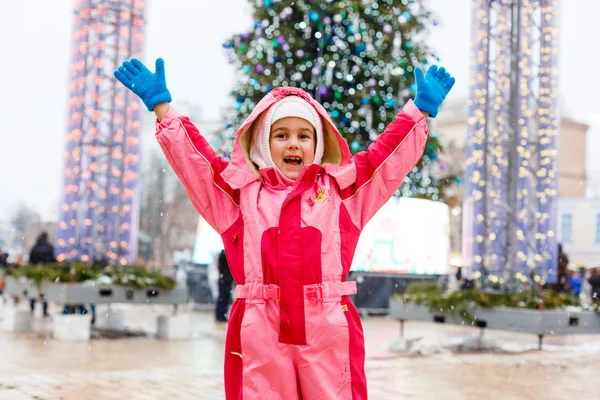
point(289, 189)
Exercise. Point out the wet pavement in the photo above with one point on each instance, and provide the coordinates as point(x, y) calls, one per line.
point(34, 366)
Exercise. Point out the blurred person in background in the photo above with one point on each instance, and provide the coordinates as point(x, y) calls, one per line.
point(225, 284)
point(41, 252)
point(562, 277)
point(594, 281)
point(576, 282)
point(3, 260)
point(3, 271)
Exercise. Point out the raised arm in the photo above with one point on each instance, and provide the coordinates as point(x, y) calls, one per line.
point(381, 169)
point(188, 153)
point(160, 110)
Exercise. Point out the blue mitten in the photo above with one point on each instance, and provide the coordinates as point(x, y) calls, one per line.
point(148, 86)
point(432, 88)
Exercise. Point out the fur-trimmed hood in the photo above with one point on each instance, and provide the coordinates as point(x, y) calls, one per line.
point(337, 159)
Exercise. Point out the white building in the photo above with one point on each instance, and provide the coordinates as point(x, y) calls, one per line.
point(579, 229)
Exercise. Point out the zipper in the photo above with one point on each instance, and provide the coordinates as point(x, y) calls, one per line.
point(299, 179)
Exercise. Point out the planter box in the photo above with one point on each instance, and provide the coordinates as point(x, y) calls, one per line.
point(72, 327)
point(546, 322)
point(77, 293)
point(173, 327)
point(158, 296)
point(16, 320)
point(112, 319)
point(21, 287)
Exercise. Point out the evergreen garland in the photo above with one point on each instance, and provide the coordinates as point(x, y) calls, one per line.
point(131, 276)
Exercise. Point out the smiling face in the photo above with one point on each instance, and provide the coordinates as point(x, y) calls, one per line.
point(292, 143)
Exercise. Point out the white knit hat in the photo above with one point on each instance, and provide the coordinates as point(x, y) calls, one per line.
point(290, 106)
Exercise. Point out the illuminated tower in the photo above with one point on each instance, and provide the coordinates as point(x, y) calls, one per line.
point(99, 211)
point(509, 215)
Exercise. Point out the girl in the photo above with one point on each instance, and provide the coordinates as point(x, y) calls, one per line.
point(290, 206)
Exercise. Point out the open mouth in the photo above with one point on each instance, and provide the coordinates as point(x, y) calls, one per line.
point(293, 161)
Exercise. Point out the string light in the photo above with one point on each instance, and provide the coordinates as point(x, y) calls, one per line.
point(475, 192)
point(355, 57)
point(498, 142)
point(102, 142)
point(546, 188)
point(510, 190)
point(525, 146)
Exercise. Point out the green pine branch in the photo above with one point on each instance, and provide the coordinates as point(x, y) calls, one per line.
point(355, 57)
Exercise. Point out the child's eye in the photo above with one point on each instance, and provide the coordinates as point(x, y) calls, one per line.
point(304, 137)
point(280, 136)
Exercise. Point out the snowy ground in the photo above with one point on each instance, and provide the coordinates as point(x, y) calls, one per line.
point(436, 364)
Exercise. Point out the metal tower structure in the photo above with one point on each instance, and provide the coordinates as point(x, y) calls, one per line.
point(99, 211)
point(511, 179)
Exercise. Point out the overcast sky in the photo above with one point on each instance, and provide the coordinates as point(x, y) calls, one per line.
point(188, 34)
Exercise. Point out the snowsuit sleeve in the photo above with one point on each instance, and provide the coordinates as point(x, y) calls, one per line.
point(381, 169)
point(199, 169)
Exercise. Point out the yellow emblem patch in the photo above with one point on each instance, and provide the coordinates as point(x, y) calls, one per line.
point(320, 196)
point(344, 308)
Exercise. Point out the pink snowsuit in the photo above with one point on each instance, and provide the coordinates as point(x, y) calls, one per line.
point(293, 332)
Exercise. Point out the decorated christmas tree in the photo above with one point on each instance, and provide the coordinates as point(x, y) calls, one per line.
point(356, 57)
